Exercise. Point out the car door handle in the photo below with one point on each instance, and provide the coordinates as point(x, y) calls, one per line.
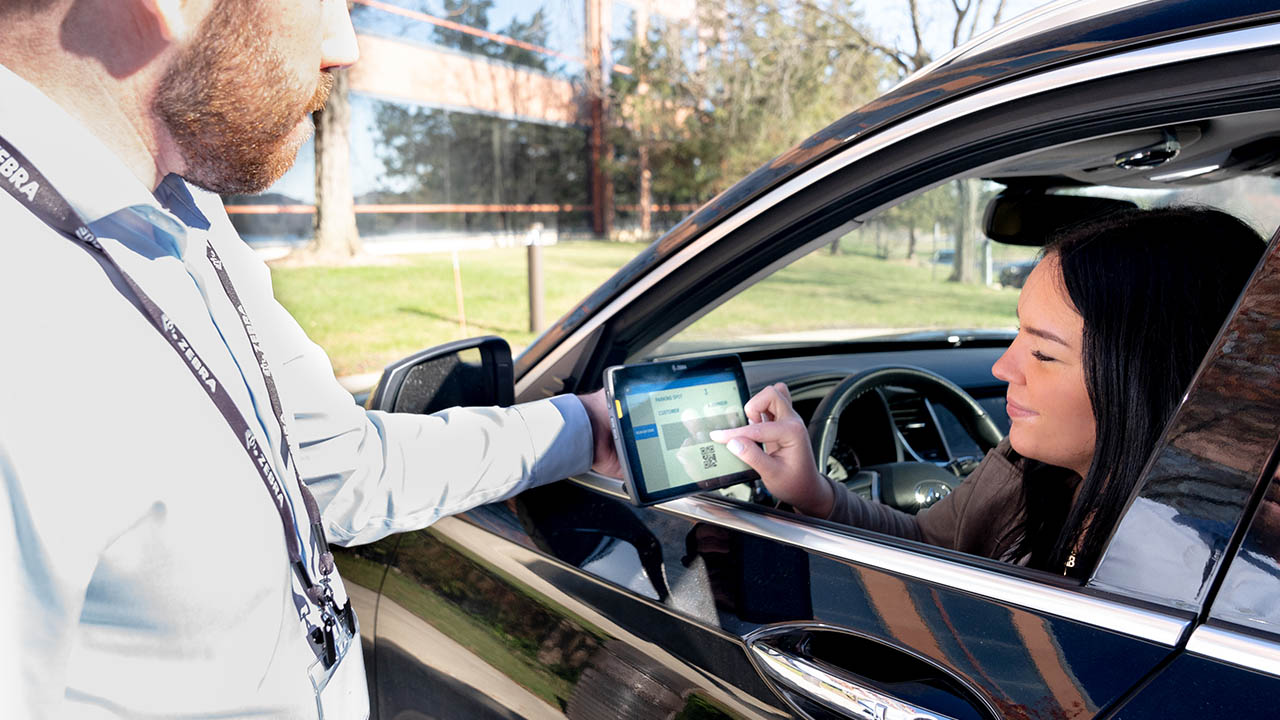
point(824, 671)
point(835, 688)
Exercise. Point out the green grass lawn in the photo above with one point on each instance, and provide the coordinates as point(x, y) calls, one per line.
point(368, 316)
point(856, 290)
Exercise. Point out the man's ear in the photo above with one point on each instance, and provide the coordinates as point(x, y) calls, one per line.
point(170, 17)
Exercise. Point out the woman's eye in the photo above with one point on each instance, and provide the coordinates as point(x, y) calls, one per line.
point(1041, 356)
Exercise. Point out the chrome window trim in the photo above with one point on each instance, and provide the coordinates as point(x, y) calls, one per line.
point(1146, 58)
point(1111, 615)
point(1237, 648)
point(602, 484)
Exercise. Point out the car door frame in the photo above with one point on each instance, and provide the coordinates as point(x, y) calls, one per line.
point(807, 210)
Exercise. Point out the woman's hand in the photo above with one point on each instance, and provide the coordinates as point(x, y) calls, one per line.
point(787, 466)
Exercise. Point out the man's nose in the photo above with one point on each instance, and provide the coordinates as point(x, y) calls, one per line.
point(338, 49)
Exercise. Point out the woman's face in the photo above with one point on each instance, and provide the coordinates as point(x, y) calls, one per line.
point(1049, 409)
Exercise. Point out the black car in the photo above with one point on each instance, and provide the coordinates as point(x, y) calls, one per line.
point(568, 601)
point(1015, 274)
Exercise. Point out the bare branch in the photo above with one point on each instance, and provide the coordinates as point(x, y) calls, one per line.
point(962, 10)
point(995, 19)
point(894, 56)
point(977, 16)
point(916, 29)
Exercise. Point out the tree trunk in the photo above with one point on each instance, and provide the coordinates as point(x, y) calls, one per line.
point(336, 236)
point(646, 190)
point(966, 232)
point(911, 242)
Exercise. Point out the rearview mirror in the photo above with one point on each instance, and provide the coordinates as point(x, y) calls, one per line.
point(1033, 218)
point(472, 372)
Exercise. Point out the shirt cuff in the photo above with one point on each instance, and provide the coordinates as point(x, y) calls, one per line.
point(560, 433)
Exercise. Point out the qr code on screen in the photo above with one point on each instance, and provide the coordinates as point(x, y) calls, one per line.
point(708, 457)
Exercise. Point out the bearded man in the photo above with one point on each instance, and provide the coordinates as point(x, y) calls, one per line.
point(174, 452)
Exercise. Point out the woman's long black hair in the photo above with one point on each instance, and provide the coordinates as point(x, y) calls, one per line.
point(1153, 288)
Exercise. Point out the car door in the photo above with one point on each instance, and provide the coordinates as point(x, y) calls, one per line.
point(568, 601)
point(1230, 666)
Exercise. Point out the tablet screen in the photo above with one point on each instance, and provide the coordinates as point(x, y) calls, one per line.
point(667, 412)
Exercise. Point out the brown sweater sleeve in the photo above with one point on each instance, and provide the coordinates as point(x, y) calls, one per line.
point(852, 509)
point(973, 518)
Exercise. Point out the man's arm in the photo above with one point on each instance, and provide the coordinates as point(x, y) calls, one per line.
point(375, 473)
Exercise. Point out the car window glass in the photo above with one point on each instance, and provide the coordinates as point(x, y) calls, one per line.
point(888, 278)
point(894, 280)
point(896, 276)
point(1250, 592)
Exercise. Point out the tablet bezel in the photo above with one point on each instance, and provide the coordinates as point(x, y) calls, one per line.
point(618, 380)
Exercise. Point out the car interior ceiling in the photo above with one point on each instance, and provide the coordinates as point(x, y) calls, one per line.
point(1197, 153)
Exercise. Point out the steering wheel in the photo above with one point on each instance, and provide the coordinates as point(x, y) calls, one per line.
point(907, 486)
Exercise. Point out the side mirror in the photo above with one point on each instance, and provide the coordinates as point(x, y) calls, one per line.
point(472, 372)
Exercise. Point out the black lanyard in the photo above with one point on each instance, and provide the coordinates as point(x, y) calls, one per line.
point(33, 190)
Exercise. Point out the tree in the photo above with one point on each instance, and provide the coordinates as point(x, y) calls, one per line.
point(709, 101)
point(336, 238)
point(968, 17)
point(920, 213)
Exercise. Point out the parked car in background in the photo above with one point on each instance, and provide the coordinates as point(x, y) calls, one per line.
point(567, 601)
point(1015, 274)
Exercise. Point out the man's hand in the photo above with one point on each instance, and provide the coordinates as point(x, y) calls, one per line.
point(604, 456)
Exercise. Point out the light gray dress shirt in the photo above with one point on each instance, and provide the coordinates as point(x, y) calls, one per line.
point(143, 568)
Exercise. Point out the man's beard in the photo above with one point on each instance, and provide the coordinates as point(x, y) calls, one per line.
point(230, 104)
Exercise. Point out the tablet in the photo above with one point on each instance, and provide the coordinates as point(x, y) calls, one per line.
point(662, 414)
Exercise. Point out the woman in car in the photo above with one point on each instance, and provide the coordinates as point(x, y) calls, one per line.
point(1113, 323)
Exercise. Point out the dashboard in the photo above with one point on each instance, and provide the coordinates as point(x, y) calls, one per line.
point(892, 424)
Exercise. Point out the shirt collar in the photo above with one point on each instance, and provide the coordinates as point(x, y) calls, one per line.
point(175, 195)
point(85, 171)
